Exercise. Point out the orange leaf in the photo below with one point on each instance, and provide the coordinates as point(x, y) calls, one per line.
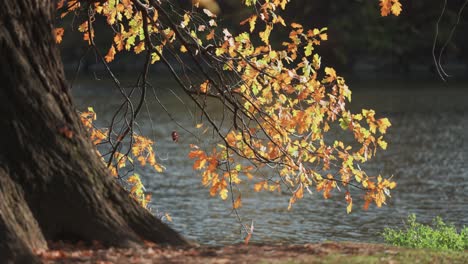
point(204, 87)
point(58, 32)
point(196, 154)
point(247, 238)
point(110, 54)
point(237, 202)
point(139, 48)
point(385, 7)
point(258, 186)
point(118, 40)
point(210, 35)
point(296, 25)
point(300, 192)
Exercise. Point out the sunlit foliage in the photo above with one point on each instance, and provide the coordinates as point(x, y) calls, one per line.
point(142, 151)
point(282, 101)
point(439, 235)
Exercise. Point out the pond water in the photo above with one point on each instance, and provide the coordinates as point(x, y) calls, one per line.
point(427, 154)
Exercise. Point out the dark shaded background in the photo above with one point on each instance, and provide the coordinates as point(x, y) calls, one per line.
point(360, 40)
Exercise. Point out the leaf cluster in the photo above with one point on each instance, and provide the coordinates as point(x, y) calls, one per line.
point(141, 150)
point(281, 102)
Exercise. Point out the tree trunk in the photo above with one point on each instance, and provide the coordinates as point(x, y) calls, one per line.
point(53, 185)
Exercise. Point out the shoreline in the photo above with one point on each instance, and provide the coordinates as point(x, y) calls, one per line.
point(327, 252)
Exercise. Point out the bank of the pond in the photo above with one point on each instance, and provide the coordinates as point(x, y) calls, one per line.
point(328, 252)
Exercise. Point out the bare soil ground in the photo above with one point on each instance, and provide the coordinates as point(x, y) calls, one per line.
point(330, 252)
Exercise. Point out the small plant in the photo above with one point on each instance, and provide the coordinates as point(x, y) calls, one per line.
point(438, 236)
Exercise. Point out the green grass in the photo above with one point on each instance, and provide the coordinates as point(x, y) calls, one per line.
point(403, 256)
point(399, 256)
point(439, 236)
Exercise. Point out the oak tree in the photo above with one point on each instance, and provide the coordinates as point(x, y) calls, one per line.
point(279, 104)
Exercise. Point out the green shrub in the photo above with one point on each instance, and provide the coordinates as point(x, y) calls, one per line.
point(438, 236)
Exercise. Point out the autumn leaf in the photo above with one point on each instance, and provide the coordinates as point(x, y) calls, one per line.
point(296, 25)
point(331, 75)
point(208, 13)
point(265, 35)
point(140, 47)
point(237, 202)
point(385, 7)
point(58, 32)
point(110, 54)
point(252, 21)
point(396, 8)
point(158, 167)
point(349, 200)
point(390, 6)
point(204, 87)
point(66, 131)
point(223, 194)
point(197, 153)
point(299, 193)
point(284, 104)
point(118, 40)
point(168, 217)
point(211, 35)
point(258, 186)
point(60, 4)
point(247, 238)
point(249, 234)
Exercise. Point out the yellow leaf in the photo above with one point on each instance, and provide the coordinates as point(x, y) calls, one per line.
point(83, 27)
point(396, 7)
point(331, 74)
point(223, 194)
point(382, 143)
point(154, 57)
point(168, 217)
point(349, 200)
point(383, 124)
point(265, 35)
point(252, 22)
point(349, 207)
point(186, 20)
point(324, 36)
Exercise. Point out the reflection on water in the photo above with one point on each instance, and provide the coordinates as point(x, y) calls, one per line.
point(427, 155)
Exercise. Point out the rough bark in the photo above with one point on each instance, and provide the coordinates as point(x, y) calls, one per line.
point(53, 184)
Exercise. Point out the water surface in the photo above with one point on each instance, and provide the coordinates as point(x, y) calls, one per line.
point(427, 154)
